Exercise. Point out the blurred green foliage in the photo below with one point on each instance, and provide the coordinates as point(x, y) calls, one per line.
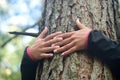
point(15, 15)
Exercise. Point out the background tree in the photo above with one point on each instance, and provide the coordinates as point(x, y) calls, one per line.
point(60, 15)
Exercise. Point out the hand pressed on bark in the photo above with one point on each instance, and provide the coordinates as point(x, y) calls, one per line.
point(73, 41)
point(42, 46)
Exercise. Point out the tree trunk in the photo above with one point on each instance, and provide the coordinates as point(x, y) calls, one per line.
point(60, 15)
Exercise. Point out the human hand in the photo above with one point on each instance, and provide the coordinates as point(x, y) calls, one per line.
point(73, 41)
point(42, 46)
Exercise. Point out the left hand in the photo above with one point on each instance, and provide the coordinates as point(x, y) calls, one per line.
point(42, 46)
point(73, 41)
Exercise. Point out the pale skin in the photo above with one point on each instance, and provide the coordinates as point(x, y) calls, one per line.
point(73, 41)
point(42, 46)
point(59, 42)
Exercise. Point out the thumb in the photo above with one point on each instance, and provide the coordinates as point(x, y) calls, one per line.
point(43, 33)
point(80, 25)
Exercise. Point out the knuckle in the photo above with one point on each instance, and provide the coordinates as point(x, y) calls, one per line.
point(43, 44)
point(72, 38)
point(58, 44)
point(59, 50)
point(75, 48)
point(52, 45)
point(48, 43)
point(65, 47)
point(40, 51)
point(41, 40)
point(75, 42)
point(55, 40)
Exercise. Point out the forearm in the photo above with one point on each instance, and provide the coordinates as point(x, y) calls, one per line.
point(28, 68)
point(102, 47)
point(106, 50)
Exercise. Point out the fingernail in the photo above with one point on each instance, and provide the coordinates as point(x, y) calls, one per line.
point(62, 54)
point(77, 20)
point(59, 32)
point(54, 37)
point(52, 45)
point(51, 54)
point(57, 46)
point(55, 51)
point(45, 27)
point(60, 38)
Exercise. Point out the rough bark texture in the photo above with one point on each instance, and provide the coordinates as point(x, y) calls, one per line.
point(117, 28)
point(59, 15)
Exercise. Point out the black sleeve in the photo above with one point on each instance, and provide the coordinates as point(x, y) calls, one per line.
point(28, 68)
point(106, 50)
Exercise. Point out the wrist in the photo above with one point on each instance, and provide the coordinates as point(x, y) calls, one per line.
point(86, 39)
point(29, 54)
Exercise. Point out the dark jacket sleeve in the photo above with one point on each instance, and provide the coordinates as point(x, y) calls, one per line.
point(106, 50)
point(28, 68)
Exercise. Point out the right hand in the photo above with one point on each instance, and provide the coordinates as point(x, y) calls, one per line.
point(73, 41)
point(43, 45)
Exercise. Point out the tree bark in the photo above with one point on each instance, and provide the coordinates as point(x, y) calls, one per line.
point(60, 15)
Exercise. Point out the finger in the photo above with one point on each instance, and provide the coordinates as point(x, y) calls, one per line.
point(63, 42)
point(71, 50)
point(79, 24)
point(51, 36)
point(65, 35)
point(45, 55)
point(52, 41)
point(64, 48)
point(43, 33)
point(48, 49)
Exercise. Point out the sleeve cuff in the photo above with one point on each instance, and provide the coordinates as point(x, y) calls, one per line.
point(29, 55)
point(86, 40)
